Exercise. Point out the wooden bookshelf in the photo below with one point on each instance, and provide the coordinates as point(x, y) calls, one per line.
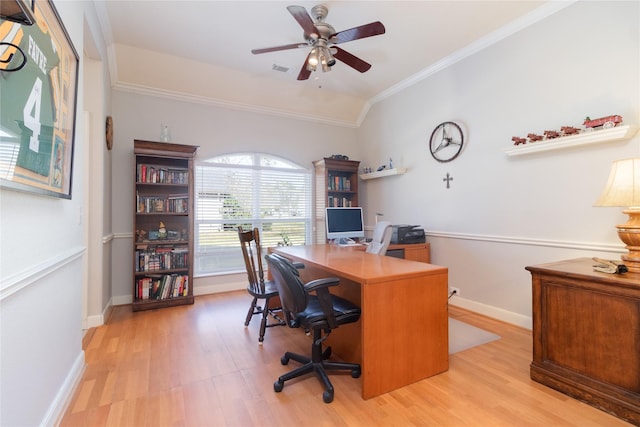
point(336, 183)
point(163, 221)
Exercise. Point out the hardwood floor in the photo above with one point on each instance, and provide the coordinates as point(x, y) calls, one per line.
point(199, 366)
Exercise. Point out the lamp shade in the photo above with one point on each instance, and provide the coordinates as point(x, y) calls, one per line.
point(623, 188)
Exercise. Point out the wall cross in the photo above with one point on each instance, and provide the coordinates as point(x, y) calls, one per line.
point(448, 179)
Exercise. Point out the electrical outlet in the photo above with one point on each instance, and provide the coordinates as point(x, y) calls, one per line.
point(454, 291)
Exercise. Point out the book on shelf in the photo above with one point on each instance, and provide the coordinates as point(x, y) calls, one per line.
point(154, 174)
point(162, 287)
point(338, 183)
point(174, 203)
point(161, 258)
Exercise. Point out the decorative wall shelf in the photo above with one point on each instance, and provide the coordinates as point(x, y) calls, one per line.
point(617, 133)
point(385, 172)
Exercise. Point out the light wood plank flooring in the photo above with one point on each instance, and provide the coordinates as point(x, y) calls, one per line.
point(199, 366)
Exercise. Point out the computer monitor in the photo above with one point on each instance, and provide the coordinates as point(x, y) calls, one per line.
point(344, 223)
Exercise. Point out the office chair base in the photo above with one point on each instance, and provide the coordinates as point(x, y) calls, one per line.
point(320, 367)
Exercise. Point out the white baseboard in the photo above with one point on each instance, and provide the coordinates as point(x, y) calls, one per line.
point(218, 288)
point(98, 320)
point(493, 312)
point(65, 393)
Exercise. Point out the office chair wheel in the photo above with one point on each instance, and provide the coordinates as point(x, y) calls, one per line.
point(327, 396)
point(355, 373)
point(278, 385)
point(285, 361)
point(327, 353)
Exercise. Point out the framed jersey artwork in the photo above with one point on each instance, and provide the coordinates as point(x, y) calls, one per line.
point(38, 92)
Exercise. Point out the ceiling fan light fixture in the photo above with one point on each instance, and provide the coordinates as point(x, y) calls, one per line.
point(314, 58)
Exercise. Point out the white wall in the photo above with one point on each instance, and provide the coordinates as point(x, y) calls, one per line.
point(41, 250)
point(216, 131)
point(504, 213)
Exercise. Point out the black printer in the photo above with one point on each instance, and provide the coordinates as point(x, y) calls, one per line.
point(405, 234)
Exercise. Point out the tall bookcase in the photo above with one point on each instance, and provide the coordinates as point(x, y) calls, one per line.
point(336, 183)
point(163, 220)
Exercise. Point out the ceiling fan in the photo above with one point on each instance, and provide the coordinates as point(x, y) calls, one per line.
point(323, 40)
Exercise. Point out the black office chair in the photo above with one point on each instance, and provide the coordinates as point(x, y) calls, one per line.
point(317, 313)
point(257, 287)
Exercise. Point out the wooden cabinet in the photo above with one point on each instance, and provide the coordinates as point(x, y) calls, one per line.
point(163, 220)
point(415, 252)
point(586, 335)
point(336, 184)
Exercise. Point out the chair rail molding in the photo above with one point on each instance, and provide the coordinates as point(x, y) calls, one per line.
point(16, 282)
point(586, 246)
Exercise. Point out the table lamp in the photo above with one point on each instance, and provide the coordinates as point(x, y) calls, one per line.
point(623, 189)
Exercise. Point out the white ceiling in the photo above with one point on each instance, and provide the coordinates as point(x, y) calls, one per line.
point(419, 36)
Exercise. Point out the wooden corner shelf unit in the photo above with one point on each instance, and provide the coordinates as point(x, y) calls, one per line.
point(336, 183)
point(163, 221)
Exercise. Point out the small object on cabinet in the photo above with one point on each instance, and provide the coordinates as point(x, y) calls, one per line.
point(607, 266)
point(517, 140)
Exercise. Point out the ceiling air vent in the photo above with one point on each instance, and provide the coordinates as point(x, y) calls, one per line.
point(276, 67)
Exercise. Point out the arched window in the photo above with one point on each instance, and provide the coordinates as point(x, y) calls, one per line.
point(251, 190)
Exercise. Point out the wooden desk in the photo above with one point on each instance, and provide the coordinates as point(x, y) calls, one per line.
point(586, 335)
point(402, 335)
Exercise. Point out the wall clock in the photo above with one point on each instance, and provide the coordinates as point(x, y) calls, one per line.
point(446, 142)
point(109, 132)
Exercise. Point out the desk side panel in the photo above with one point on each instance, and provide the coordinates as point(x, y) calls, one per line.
point(405, 333)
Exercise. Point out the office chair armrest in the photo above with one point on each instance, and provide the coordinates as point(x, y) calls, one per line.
point(321, 288)
point(298, 265)
point(314, 285)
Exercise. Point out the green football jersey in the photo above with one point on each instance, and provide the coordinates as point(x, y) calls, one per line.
point(27, 96)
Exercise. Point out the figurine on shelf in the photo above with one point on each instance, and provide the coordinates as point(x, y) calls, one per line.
point(162, 231)
point(550, 134)
point(141, 234)
point(569, 130)
point(517, 140)
point(606, 122)
point(534, 137)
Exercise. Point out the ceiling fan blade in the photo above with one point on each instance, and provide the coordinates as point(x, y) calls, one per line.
point(351, 60)
point(304, 72)
point(361, 32)
point(277, 48)
point(301, 15)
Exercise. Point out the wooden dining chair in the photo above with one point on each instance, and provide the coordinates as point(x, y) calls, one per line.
point(257, 287)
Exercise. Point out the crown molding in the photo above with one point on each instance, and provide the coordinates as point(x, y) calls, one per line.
point(513, 27)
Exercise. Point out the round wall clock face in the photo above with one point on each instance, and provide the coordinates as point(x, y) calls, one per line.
point(446, 141)
point(109, 132)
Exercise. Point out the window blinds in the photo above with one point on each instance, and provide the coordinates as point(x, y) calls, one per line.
point(245, 190)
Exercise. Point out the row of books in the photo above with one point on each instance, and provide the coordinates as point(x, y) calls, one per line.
point(338, 202)
point(161, 258)
point(161, 175)
point(339, 183)
point(174, 203)
point(162, 287)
